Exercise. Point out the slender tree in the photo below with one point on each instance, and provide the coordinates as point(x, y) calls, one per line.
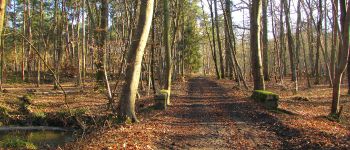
point(218, 75)
point(134, 61)
point(222, 68)
point(265, 41)
point(167, 47)
point(2, 21)
point(343, 51)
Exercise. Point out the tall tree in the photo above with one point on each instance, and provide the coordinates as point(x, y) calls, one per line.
point(318, 42)
point(134, 61)
point(343, 51)
point(210, 3)
point(255, 20)
point(222, 68)
point(101, 41)
point(291, 47)
point(265, 41)
point(2, 21)
point(167, 47)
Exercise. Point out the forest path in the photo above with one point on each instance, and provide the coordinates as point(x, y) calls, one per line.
point(210, 118)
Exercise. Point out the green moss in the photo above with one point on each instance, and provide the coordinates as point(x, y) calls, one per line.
point(3, 112)
point(334, 117)
point(28, 98)
point(15, 143)
point(39, 115)
point(265, 92)
point(75, 112)
point(268, 99)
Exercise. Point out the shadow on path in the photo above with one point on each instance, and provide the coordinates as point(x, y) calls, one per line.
point(210, 118)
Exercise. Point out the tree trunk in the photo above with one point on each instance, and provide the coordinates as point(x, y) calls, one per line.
point(282, 47)
point(318, 42)
point(222, 69)
point(291, 47)
point(265, 41)
point(101, 42)
point(167, 48)
point(343, 52)
point(213, 36)
point(334, 40)
point(134, 61)
point(255, 20)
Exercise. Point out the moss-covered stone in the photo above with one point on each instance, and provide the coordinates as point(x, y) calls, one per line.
point(160, 99)
point(268, 99)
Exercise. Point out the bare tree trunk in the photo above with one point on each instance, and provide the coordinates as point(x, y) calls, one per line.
point(265, 41)
point(343, 52)
point(83, 51)
point(282, 47)
point(222, 68)
point(291, 46)
point(335, 41)
point(318, 42)
point(167, 47)
point(255, 20)
point(29, 36)
point(134, 61)
point(2, 21)
point(101, 42)
point(210, 3)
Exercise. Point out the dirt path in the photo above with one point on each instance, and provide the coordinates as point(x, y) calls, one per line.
point(208, 114)
point(208, 118)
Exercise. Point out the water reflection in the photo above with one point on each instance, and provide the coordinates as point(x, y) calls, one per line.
point(39, 138)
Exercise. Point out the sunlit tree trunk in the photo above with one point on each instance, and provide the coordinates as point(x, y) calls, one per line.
point(134, 61)
point(166, 43)
point(265, 41)
point(255, 20)
point(210, 3)
point(2, 21)
point(222, 68)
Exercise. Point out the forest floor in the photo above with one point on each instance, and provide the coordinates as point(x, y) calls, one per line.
point(209, 114)
point(205, 114)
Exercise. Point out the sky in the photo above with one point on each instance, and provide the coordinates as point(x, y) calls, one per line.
point(242, 15)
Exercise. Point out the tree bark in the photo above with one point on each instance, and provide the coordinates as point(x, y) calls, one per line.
point(222, 68)
point(265, 41)
point(218, 75)
point(134, 61)
point(255, 20)
point(166, 42)
point(101, 42)
point(343, 52)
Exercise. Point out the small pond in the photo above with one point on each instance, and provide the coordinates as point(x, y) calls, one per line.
point(40, 138)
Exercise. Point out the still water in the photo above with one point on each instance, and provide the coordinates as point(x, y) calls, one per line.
point(43, 138)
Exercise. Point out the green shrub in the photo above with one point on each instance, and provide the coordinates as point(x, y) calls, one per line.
point(75, 112)
point(3, 112)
